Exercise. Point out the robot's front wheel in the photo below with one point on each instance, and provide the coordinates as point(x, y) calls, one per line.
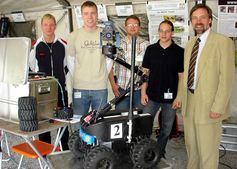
point(76, 145)
point(100, 157)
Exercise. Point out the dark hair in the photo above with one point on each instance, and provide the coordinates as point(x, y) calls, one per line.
point(133, 17)
point(169, 23)
point(88, 4)
point(199, 6)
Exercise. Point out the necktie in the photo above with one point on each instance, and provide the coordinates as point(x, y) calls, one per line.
point(192, 63)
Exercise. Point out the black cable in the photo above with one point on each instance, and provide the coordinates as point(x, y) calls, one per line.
point(223, 153)
point(221, 163)
point(226, 165)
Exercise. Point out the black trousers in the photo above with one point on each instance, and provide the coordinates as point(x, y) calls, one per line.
point(46, 137)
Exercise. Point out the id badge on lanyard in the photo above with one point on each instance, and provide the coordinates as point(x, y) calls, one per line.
point(168, 94)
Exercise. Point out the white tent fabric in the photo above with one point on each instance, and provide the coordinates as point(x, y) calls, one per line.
point(7, 6)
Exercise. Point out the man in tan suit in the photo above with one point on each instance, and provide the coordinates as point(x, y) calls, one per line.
point(207, 89)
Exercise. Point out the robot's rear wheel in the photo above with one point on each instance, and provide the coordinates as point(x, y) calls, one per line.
point(145, 153)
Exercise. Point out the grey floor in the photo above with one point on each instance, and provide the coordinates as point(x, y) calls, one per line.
point(175, 157)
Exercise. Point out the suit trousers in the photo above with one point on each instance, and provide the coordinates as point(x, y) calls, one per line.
point(202, 141)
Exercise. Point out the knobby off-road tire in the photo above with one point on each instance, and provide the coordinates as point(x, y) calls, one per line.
point(29, 125)
point(64, 114)
point(27, 103)
point(27, 115)
point(144, 153)
point(100, 157)
point(77, 146)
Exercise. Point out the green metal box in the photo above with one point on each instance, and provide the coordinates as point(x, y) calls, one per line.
point(46, 93)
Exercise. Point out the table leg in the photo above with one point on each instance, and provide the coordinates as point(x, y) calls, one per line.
point(1, 137)
point(58, 138)
point(0, 156)
point(7, 146)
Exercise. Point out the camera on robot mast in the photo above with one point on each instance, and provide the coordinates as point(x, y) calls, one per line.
point(111, 38)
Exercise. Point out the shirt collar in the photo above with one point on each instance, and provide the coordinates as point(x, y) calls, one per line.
point(172, 43)
point(42, 39)
point(204, 36)
point(128, 40)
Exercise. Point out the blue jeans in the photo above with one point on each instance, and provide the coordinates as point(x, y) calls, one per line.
point(167, 116)
point(124, 104)
point(83, 99)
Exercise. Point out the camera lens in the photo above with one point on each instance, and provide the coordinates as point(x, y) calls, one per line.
point(108, 35)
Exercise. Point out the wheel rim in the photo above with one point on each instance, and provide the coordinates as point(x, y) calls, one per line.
point(104, 164)
point(150, 156)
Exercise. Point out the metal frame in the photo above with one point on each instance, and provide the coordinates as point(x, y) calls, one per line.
point(13, 128)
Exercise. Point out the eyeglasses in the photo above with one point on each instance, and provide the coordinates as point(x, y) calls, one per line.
point(132, 25)
point(165, 31)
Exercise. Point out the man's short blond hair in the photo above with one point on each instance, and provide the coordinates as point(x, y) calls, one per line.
point(48, 16)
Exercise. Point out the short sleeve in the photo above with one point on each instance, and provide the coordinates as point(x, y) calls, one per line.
point(146, 62)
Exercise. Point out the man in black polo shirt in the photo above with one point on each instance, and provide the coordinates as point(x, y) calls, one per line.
point(163, 62)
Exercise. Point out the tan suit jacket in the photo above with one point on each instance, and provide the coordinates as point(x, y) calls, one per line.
point(214, 78)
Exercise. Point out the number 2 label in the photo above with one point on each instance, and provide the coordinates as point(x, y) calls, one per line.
point(116, 131)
